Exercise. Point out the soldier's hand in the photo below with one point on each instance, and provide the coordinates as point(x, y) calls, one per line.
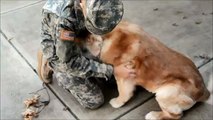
point(126, 71)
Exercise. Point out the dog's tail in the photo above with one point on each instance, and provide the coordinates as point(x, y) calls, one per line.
point(205, 96)
point(208, 91)
point(39, 58)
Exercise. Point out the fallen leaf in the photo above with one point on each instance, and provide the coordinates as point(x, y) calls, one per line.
point(184, 17)
point(31, 101)
point(175, 24)
point(198, 22)
point(178, 12)
point(203, 56)
point(156, 9)
point(65, 108)
point(29, 113)
point(204, 13)
point(28, 118)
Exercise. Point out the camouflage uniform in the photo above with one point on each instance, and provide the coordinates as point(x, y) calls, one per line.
point(72, 70)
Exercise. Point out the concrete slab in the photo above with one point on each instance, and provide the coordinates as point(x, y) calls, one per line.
point(17, 81)
point(183, 25)
point(201, 111)
point(11, 5)
point(22, 28)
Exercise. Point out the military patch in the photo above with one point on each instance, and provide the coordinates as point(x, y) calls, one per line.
point(67, 35)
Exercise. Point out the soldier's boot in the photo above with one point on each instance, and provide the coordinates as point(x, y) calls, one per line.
point(44, 70)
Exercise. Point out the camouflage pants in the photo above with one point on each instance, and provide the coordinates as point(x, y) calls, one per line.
point(86, 91)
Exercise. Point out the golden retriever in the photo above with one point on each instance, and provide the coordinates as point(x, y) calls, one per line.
point(173, 78)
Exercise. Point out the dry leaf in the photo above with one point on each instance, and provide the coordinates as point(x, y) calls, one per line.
point(184, 17)
point(175, 24)
point(156, 9)
point(31, 101)
point(29, 113)
point(28, 118)
point(198, 22)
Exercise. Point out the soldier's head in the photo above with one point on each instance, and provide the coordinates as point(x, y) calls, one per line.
point(101, 16)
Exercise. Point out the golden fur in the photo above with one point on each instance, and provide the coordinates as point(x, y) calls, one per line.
point(174, 78)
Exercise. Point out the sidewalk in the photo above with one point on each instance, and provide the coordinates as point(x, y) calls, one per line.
point(185, 26)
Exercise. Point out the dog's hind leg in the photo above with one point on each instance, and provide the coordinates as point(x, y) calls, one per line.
point(125, 89)
point(172, 101)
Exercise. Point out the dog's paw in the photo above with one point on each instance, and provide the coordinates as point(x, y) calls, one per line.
point(114, 103)
point(152, 115)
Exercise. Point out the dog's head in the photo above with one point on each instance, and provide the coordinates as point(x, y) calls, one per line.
point(94, 44)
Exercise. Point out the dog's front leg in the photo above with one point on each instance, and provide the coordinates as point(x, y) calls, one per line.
point(125, 89)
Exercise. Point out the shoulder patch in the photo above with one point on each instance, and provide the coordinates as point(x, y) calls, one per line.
point(67, 35)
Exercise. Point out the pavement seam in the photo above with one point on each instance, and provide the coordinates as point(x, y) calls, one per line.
point(31, 4)
point(203, 64)
point(9, 40)
point(3, 34)
point(62, 102)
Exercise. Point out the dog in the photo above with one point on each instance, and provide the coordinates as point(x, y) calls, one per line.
point(173, 78)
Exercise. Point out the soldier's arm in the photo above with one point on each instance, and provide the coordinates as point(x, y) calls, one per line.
point(47, 42)
point(69, 53)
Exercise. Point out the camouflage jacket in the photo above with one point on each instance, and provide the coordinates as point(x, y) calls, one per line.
point(63, 55)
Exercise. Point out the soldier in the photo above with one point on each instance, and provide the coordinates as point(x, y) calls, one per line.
point(65, 20)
